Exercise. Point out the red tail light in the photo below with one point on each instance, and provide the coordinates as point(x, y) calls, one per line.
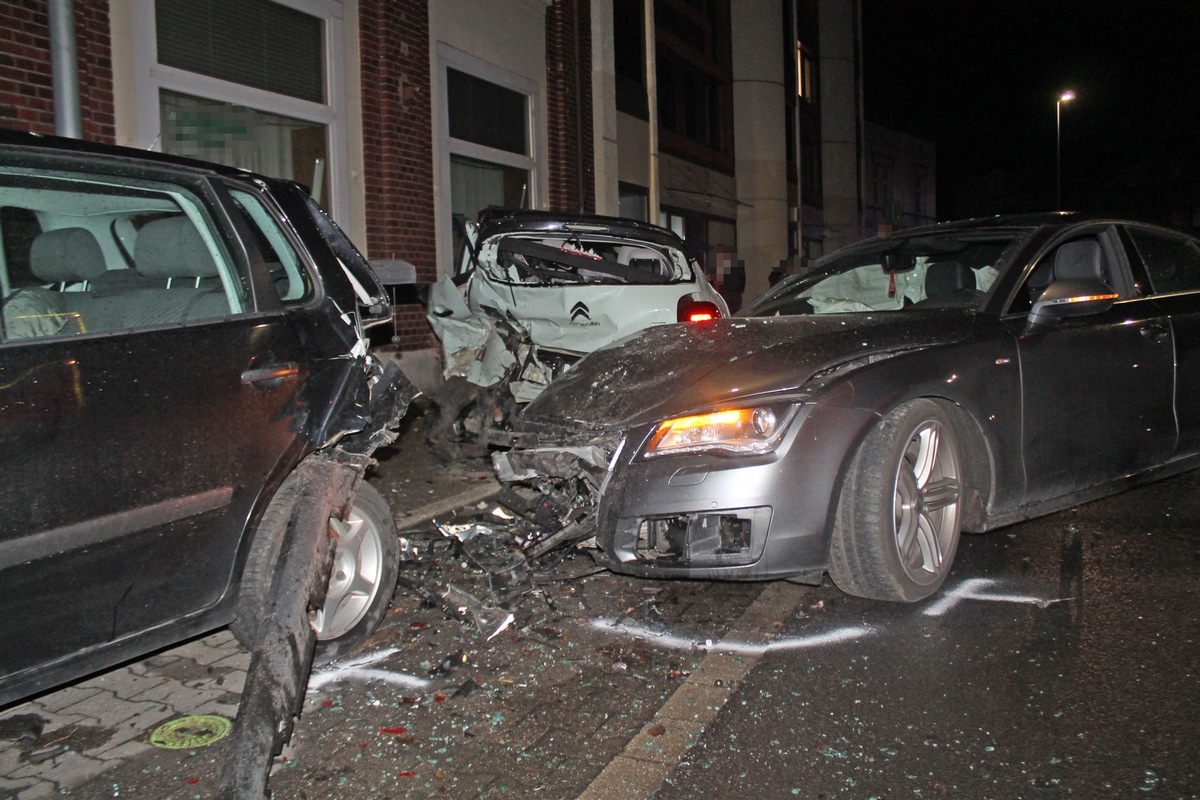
point(691, 310)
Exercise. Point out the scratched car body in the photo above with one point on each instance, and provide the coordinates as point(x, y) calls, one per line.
point(855, 420)
point(184, 371)
point(533, 293)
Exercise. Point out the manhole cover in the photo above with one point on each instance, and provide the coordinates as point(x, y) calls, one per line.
point(188, 732)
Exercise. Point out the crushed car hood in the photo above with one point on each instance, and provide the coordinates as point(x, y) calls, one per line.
point(675, 369)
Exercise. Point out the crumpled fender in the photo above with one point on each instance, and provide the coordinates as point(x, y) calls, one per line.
point(472, 348)
point(368, 403)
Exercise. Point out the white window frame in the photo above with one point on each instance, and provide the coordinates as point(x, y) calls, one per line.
point(450, 58)
point(153, 77)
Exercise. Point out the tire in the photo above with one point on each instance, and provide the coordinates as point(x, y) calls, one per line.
point(899, 514)
point(366, 562)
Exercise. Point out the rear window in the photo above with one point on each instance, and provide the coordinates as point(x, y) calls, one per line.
point(548, 260)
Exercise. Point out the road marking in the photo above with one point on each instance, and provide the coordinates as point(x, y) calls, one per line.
point(974, 589)
point(727, 645)
point(358, 669)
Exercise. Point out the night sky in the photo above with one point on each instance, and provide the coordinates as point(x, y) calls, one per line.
point(980, 78)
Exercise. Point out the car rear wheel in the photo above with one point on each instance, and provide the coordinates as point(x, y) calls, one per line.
point(366, 560)
point(898, 521)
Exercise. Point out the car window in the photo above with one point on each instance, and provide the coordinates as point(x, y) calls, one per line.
point(1088, 256)
point(89, 254)
point(1172, 262)
point(928, 272)
point(290, 278)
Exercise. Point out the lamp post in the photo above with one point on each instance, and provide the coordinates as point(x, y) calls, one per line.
point(1065, 97)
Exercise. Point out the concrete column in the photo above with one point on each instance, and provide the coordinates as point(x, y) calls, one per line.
point(604, 108)
point(841, 122)
point(759, 141)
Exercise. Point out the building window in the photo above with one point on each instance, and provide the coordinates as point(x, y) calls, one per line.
point(633, 202)
point(214, 83)
point(270, 144)
point(629, 55)
point(920, 178)
point(881, 188)
point(695, 80)
point(806, 75)
point(489, 143)
point(484, 113)
point(238, 41)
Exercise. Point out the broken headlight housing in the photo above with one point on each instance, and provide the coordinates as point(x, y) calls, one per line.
point(752, 430)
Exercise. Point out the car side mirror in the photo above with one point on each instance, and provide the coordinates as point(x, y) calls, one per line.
point(1073, 297)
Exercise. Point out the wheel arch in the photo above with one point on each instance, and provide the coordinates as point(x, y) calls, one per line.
point(976, 462)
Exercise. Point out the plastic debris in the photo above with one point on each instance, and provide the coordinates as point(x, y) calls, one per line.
point(488, 620)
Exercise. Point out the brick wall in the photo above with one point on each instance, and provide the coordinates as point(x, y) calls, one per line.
point(569, 105)
point(26, 88)
point(398, 148)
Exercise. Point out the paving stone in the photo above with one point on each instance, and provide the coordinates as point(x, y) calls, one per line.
point(696, 702)
point(55, 701)
point(139, 726)
point(125, 750)
point(631, 779)
point(37, 790)
point(70, 769)
point(123, 683)
point(108, 709)
point(664, 740)
point(183, 698)
point(208, 650)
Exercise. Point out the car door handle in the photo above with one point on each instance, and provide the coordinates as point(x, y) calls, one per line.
point(272, 376)
point(1154, 332)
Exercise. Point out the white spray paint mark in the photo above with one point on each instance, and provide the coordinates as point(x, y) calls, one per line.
point(974, 589)
point(672, 642)
point(359, 669)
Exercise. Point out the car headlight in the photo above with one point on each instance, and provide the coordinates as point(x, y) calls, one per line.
point(745, 431)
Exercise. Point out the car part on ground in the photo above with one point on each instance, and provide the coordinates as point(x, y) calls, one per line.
point(535, 291)
point(856, 419)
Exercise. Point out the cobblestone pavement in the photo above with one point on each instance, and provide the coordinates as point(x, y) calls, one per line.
point(578, 697)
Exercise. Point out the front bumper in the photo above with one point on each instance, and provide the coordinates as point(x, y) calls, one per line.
point(713, 516)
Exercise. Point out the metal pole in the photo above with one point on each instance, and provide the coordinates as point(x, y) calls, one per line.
point(1058, 155)
point(65, 69)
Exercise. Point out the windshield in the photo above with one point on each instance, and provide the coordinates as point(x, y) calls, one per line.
point(563, 259)
point(940, 270)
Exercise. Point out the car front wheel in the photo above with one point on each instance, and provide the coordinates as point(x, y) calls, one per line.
point(898, 518)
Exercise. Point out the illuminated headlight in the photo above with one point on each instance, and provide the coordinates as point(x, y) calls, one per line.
point(737, 430)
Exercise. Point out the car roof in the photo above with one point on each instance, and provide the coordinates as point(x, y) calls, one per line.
point(116, 154)
point(493, 222)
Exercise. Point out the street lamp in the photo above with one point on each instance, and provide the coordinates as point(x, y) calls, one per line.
point(1065, 97)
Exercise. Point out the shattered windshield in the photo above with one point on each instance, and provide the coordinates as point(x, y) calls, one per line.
point(943, 270)
point(556, 260)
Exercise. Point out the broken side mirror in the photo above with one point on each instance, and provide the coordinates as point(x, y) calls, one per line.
point(1073, 297)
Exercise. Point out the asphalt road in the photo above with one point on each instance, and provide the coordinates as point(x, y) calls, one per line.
point(1060, 661)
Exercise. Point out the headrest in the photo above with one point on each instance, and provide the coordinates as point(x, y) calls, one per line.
point(172, 248)
point(948, 277)
point(1079, 259)
point(66, 255)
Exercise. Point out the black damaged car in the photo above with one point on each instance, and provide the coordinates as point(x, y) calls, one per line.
point(184, 374)
point(854, 420)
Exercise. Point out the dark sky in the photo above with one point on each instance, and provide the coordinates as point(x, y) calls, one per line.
point(980, 79)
